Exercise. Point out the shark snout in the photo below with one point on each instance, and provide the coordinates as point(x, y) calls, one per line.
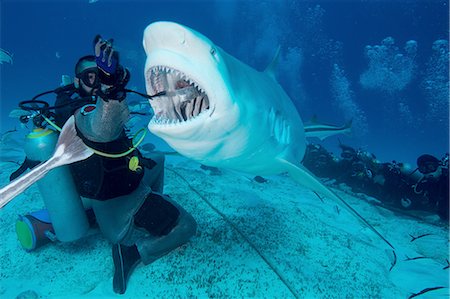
point(164, 34)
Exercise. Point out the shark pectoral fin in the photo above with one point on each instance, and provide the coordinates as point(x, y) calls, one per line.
point(69, 149)
point(302, 176)
point(305, 178)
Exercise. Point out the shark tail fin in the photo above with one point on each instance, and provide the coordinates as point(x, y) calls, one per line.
point(271, 68)
point(302, 176)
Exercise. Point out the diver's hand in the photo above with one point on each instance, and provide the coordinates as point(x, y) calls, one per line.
point(112, 75)
point(107, 60)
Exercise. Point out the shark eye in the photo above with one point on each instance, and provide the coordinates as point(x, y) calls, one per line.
point(213, 52)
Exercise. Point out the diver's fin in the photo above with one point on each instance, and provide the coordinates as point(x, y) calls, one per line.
point(302, 176)
point(69, 149)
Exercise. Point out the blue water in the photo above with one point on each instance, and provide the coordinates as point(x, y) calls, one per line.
point(397, 97)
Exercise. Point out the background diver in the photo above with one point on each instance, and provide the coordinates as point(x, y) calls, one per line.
point(396, 185)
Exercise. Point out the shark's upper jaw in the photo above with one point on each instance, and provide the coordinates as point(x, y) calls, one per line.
point(184, 99)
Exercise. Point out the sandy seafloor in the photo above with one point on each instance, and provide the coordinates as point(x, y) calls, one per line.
point(257, 240)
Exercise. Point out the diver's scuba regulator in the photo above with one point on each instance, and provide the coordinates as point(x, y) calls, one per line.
point(40, 111)
point(37, 114)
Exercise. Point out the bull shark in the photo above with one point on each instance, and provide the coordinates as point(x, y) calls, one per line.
point(220, 112)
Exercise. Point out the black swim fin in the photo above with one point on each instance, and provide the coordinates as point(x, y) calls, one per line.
point(125, 260)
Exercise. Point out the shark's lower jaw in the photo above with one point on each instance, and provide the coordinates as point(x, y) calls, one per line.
point(184, 100)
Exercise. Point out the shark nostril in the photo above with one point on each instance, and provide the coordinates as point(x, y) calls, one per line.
point(183, 38)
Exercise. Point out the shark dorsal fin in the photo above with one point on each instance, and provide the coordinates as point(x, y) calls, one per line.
point(271, 68)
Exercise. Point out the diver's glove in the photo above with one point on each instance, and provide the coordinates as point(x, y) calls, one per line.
point(107, 60)
point(112, 75)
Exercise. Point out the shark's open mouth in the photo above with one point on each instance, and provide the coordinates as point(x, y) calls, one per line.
point(183, 100)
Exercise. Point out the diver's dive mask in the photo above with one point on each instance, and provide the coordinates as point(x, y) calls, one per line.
point(89, 77)
point(427, 164)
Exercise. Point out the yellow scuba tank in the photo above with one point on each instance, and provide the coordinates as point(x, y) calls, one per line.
point(57, 188)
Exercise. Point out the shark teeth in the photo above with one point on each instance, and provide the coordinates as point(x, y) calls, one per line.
point(184, 98)
point(162, 121)
point(156, 73)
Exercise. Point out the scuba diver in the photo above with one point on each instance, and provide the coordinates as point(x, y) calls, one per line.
point(356, 168)
point(434, 185)
point(424, 188)
point(396, 185)
point(320, 161)
point(119, 187)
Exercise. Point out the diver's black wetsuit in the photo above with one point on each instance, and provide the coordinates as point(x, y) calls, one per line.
point(103, 178)
point(435, 192)
point(100, 177)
